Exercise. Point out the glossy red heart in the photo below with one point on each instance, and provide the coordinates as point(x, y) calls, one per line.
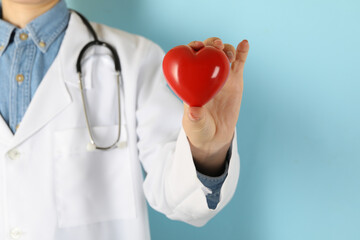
point(196, 76)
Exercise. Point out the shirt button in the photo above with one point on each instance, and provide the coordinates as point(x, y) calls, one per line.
point(23, 36)
point(14, 154)
point(19, 78)
point(1, 47)
point(15, 233)
point(42, 44)
point(17, 126)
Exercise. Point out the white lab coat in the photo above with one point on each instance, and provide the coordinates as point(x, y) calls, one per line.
point(52, 188)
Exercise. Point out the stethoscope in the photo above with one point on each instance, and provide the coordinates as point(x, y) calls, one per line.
point(97, 42)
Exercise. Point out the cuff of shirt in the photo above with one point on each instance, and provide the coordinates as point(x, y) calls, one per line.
point(214, 184)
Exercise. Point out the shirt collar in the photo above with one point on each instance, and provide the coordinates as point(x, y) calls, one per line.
point(43, 30)
point(6, 30)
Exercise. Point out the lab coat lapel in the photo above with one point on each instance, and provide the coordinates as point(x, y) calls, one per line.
point(50, 98)
point(52, 95)
point(77, 36)
point(5, 132)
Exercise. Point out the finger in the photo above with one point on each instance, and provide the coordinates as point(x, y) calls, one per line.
point(214, 42)
point(196, 45)
point(195, 120)
point(242, 51)
point(194, 114)
point(229, 51)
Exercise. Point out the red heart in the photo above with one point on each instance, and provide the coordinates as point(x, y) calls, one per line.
point(196, 76)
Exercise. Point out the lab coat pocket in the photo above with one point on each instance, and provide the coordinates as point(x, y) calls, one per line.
point(92, 186)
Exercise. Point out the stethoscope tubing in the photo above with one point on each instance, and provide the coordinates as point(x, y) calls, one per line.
point(117, 65)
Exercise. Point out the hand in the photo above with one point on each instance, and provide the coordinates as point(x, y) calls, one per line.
point(210, 128)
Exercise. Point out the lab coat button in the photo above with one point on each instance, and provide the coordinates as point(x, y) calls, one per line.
point(14, 154)
point(15, 233)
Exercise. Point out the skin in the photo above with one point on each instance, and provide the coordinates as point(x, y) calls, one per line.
point(209, 128)
point(21, 12)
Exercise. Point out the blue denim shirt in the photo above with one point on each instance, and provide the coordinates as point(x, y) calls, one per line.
point(25, 57)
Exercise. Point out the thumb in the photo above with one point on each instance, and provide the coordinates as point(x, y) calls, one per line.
point(195, 114)
point(198, 125)
point(197, 118)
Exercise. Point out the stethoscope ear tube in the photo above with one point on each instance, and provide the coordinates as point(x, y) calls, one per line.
point(87, 24)
point(95, 42)
point(98, 43)
point(81, 55)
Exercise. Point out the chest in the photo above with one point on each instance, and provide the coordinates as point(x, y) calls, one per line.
point(23, 66)
point(82, 186)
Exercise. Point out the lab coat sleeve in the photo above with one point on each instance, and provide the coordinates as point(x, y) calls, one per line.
point(171, 185)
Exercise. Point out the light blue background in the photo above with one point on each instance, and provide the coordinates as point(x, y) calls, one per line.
point(299, 126)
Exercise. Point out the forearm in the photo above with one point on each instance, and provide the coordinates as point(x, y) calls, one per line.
point(210, 162)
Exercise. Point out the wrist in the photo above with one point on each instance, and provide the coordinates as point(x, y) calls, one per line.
point(210, 159)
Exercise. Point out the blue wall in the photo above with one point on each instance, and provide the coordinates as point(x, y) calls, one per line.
point(299, 126)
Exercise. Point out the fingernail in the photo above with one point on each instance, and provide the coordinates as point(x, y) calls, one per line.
point(230, 55)
point(194, 114)
point(218, 42)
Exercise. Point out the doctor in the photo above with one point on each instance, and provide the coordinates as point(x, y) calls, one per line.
point(51, 186)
